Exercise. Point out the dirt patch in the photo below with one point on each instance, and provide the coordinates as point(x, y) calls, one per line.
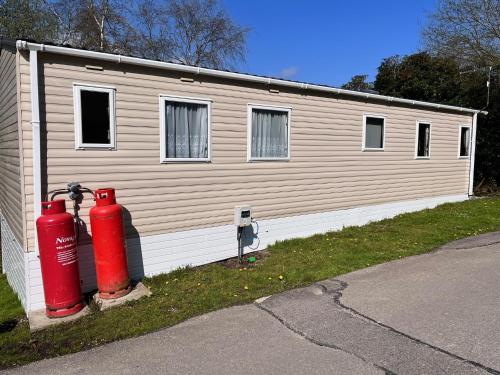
point(233, 263)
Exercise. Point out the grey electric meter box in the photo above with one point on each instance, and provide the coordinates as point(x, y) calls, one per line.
point(242, 216)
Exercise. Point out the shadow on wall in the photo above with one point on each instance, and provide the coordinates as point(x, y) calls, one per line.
point(86, 253)
point(134, 248)
point(82, 231)
point(85, 256)
point(250, 238)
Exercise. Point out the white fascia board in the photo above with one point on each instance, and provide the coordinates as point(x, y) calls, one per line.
point(21, 44)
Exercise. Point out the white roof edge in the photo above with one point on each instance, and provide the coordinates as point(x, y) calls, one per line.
point(24, 45)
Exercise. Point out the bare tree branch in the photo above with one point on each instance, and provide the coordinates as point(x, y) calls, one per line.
point(467, 30)
point(193, 32)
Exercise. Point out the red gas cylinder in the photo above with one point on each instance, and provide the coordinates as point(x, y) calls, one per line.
point(108, 239)
point(59, 260)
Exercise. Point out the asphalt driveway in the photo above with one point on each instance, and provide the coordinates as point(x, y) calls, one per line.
point(449, 299)
point(431, 314)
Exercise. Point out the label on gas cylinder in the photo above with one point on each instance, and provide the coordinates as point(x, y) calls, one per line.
point(66, 250)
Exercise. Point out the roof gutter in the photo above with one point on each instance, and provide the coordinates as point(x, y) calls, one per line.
point(119, 59)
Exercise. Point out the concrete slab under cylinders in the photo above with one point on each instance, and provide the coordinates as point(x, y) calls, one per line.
point(138, 291)
point(38, 320)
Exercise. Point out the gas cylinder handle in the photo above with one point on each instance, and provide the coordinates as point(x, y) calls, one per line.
point(74, 190)
point(56, 192)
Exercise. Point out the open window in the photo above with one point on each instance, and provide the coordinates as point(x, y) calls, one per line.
point(464, 145)
point(269, 133)
point(373, 133)
point(423, 142)
point(185, 129)
point(94, 117)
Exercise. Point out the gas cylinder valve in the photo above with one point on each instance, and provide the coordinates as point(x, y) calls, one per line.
point(74, 190)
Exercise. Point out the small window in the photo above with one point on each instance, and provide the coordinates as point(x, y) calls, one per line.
point(373, 133)
point(185, 129)
point(464, 141)
point(269, 130)
point(94, 117)
point(423, 140)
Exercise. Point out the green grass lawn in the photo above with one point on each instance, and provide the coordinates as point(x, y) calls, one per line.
point(289, 264)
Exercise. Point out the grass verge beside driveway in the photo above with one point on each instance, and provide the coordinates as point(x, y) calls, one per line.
point(289, 264)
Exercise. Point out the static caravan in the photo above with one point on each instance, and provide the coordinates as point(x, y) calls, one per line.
point(184, 146)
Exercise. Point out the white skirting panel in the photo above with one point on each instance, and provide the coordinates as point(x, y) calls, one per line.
point(13, 262)
point(156, 254)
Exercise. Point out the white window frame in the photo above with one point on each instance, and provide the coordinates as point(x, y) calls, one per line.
point(163, 145)
point(460, 140)
point(363, 140)
point(424, 122)
point(268, 107)
point(77, 108)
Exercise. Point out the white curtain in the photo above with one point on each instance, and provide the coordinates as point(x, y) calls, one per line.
point(186, 130)
point(427, 140)
point(269, 134)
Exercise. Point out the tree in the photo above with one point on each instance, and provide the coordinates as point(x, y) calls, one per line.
point(203, 34)
point(420, 77)
point(153, 35)
point(388, 80)
point(27, 19)
point(100, 25)
point(358, 83)
point(487, 168)
point(467, 30)
point(193, 32)
point(437, 79)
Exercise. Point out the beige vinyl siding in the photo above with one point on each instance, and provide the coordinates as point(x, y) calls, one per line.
point(327, 170)
point(10, 164)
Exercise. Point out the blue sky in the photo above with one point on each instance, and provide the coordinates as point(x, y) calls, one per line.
point(325, 41)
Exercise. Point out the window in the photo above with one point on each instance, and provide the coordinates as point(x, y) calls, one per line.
point(269, 133)
point(94, 117)
point(464, 141)
point(423, 147)
point(373, 133)
point(185, 129)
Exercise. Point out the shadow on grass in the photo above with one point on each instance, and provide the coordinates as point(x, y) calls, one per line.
point(8, 325)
